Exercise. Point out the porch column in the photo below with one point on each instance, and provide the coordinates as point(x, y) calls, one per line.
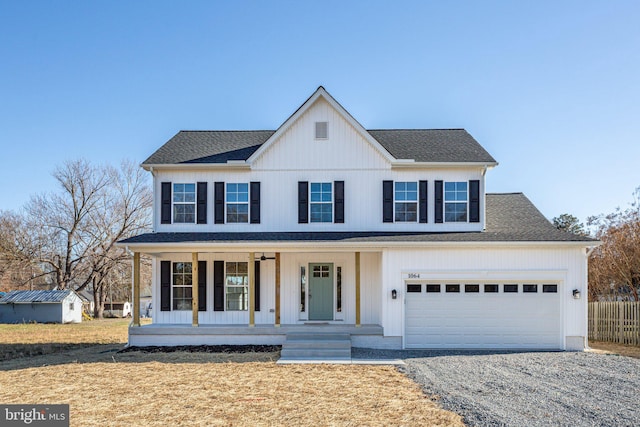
point(136, 289)
point(277, 323)
point(357, 289)
point(252, 290)
point(194, 288)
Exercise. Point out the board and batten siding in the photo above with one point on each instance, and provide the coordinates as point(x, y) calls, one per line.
point(290, 264)
point(279, 199)
point(346, 155)
point(563, 265)
point(297, 149)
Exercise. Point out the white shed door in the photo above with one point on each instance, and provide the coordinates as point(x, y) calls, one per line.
point(476, 316)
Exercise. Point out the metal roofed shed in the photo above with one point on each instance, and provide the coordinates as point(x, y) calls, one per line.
point(41, 306)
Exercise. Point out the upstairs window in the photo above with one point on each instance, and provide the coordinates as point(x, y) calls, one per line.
point(455, 201)
point(237, 203)
point(184, 203)
point(321, 205)
point(406, 201)
point(322, 130)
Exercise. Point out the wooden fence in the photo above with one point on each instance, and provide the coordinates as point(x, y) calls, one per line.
point(617, 321)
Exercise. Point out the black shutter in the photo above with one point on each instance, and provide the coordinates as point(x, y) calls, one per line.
point(438, 202)
point(202, 285)
point(422, 201)
point(254, 207)
point(165, 196)
point(202, 203)
point(338, 207)
point(474, 201)
point(387, 201)
point(256, 289)
point(218, 285)
point(218, 210)
point(303, 202)
point(165, 285)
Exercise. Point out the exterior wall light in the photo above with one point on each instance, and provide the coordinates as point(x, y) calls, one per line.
point(576, 294)
point(394, 294)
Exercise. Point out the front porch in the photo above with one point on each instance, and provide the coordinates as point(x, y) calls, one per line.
point(370, 335)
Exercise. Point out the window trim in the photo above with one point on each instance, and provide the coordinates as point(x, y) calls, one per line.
point(415, 202)
point(331, 203)
point(183, 286)
point(236, 203)
point(174, 203)
point(456, 202)
point(244, 286)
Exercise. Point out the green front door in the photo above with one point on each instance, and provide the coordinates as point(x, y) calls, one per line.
point(321, 292)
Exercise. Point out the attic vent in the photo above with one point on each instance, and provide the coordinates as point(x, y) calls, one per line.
point(322, 130)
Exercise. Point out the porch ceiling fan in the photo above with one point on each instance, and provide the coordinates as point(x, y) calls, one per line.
point(264, 258)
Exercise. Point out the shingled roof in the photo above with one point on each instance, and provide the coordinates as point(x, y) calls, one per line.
point(421, 145)
point(510, 218)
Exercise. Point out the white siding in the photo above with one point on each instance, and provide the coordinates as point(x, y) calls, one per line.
point(279, 199)
point(296, 156)
point(290, 264)
point(562, 265)
point(344, 149)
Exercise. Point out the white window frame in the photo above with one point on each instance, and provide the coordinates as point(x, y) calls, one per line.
point(321, 202)
point(236, 202)
point(244, 286)
point(456, 201)
point(184, 275)
point(175, 203)
point(395, 201)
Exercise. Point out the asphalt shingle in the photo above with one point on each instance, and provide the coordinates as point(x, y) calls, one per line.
point(421, 145)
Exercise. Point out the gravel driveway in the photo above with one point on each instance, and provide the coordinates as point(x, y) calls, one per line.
point(528, 389)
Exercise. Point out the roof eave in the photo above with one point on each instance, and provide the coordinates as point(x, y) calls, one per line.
point(410, 163)
point(314, 246)
point(231, 164)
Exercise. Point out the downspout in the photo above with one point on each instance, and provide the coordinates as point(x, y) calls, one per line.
point(128, 251)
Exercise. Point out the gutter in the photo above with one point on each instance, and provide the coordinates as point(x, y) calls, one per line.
point(314, 246)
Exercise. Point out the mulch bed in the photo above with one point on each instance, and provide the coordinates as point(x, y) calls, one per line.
point(229, 349)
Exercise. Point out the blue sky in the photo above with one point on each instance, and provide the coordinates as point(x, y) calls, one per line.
point(550, 88)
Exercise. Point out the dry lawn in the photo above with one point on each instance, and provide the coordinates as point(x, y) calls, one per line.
point(621, 349)
point(226, 394)
point(107, 388)
point(31, 339)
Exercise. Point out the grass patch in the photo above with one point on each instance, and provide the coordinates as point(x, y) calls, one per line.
point(33, 339)
point(621, 349)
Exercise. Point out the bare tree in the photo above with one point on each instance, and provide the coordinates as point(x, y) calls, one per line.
point(614, 267)
point(71, 235)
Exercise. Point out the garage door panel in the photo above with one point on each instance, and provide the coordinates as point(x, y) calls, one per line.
point(483, 320)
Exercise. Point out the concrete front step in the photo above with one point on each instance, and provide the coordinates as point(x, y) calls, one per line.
point(319, 346)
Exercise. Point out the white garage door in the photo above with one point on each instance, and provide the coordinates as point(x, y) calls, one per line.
point(485, 315)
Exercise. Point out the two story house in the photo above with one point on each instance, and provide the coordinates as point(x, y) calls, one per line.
point(385, 235)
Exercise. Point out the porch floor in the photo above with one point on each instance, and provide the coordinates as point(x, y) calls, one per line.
point(264, 329)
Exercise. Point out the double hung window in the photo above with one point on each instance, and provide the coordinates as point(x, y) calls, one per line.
point(237, 203)
point(455, 201)
point(184, 203)
point(237, 286)
point(321, 205)
point(182, 291)
point(406, 201)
